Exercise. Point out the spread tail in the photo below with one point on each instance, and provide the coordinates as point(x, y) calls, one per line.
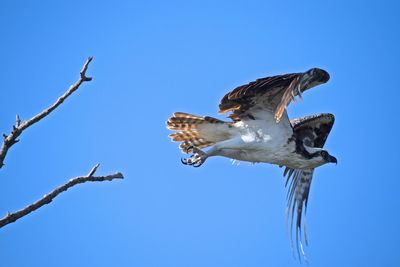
point(197, 131)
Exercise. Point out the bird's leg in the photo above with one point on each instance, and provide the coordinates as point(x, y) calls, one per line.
point(197, 158)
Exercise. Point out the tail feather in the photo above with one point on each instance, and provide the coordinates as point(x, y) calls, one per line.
point(197, 131)
point(185, 121)
point(183, 136)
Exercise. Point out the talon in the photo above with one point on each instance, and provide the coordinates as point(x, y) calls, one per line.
point(198, 164)
point(188, 149)
point(196, 158)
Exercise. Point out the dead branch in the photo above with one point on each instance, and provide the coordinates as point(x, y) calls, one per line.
point(12, 217)
point(18, 128)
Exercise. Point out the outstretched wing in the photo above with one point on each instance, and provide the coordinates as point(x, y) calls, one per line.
point(271, 94)
point(297, 196)
point(313, 131)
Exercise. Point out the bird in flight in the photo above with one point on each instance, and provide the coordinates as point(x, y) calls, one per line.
point(260, 131)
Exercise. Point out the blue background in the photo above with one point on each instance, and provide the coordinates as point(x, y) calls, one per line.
point(152, 58)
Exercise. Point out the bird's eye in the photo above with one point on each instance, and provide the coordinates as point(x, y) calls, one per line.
point(324, 154)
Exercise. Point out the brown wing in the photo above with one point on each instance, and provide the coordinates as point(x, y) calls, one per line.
point(271, 93)
point(297, 198)
point(313, 131)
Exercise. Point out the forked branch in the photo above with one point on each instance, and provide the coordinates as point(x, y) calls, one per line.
point(12, 217)
point(19, 127)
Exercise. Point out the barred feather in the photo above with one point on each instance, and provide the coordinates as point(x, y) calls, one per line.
point(196, 130)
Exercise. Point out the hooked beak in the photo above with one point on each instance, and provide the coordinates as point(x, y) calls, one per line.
point(332, 159)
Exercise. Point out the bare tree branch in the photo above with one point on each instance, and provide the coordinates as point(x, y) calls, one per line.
point(19, 127)
point(12, 217)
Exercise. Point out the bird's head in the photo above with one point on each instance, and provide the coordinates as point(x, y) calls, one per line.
point(326, 158)
point(319, 156)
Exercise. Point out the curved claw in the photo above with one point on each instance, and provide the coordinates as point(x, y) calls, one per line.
point(198, 164)
point(196, 159)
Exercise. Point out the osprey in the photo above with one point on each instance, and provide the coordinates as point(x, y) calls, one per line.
point(260, 131)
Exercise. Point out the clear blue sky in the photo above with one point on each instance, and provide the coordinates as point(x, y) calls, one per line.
point(152, 58)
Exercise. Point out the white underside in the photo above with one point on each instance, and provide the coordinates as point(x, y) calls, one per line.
point(263, 140)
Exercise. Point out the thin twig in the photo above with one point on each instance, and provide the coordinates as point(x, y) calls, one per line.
point(12, 217)
point(19, 126)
